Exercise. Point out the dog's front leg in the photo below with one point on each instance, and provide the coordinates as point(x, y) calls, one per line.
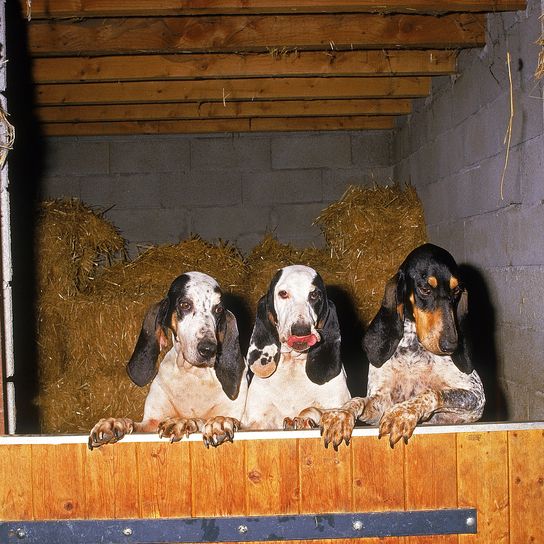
point(309, 418)
point(175, 428)
point(219, 429)
point(400, 420)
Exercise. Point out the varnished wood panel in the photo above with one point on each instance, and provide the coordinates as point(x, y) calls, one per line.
point(378, 478)
point(126, 470)
point(189, 66)
point(16, 483)
point(272, 477)
point(482, 475)
point(165, 479)
point(253, 33)
point(526, 486)
point(99, 473)
point(218, 483)
point(430, 473)
point(58, 481)
point(103, 8)
point(325, 478)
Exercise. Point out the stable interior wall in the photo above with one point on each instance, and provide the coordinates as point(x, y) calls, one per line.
point(237, 187)
point(160, 189)
point(453, 150)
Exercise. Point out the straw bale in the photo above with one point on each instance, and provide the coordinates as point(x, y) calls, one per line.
point(72, 241)
point(158, 266)
point(99, 335)
point(370, 230)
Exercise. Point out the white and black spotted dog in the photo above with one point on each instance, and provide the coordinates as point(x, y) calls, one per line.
point(419, 354)
point(200, 385)
point(294, 354)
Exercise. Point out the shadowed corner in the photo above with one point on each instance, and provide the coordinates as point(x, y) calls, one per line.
point(26, 169)
point(482, 328)
point(351, 329)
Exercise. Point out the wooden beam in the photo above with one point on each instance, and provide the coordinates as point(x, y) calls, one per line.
point(108, 8)
point(254, 33)
point(224, 90)
point(219, 125)
point(216, 110)
point(189, 66)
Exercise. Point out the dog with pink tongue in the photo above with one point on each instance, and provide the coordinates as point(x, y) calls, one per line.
point(294, 354)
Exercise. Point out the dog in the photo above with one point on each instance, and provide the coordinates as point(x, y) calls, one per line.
point(419, 352)
point(200, 385)
point(294, 354)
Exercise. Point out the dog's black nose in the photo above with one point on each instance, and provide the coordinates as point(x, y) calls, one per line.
point(207, 348)
point(300, 329)
point(447, 345)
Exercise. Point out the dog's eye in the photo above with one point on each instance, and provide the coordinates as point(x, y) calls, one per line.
point(283, 294)
point(185, 306)
point(314, 295)
point(424, 291)
point(218, 310)
point(457, 291)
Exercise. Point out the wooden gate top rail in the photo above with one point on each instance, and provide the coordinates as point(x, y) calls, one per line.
point(281, 435)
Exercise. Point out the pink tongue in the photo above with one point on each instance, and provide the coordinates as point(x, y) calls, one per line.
point(310, 340)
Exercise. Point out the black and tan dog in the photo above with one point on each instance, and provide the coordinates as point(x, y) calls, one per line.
point(200, 385)
point(419, 355)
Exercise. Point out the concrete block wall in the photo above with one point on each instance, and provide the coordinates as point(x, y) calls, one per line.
point(234, 187)
point(452, 149)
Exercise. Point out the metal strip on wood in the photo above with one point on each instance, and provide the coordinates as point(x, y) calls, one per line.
point(244, 529)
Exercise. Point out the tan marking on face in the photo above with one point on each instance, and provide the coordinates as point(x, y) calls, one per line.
point(174, 322)
point(400, 310)
point(432, 281)
point(454, 282)
point(429, 329)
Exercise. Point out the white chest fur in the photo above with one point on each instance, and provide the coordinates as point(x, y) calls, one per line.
point(183, 390)
point(289, 391)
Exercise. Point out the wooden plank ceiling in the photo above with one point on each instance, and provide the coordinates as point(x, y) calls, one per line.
point(181, 66)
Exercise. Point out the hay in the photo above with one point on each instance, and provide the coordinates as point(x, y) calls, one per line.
point(72, 242)
point(370, 231)
point(156, 268)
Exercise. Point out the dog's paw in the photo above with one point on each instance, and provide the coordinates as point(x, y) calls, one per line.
point(219, 429)
point(299, 422)
point(398, 422)
point(175, 428)
point(109, 430)
point(336, 427)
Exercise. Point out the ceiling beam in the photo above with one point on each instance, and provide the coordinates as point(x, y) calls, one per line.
point(253, 33)
point(108, 8)
point(219, 125)
point(223, 90)
point(275, 64)
point(216, 110)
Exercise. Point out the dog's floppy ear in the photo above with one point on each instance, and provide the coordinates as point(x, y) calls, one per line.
point(462, 356)
point(229, 364)
point(386, 329)
point(153, 337)
point(323, 362)
point(264, 347)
